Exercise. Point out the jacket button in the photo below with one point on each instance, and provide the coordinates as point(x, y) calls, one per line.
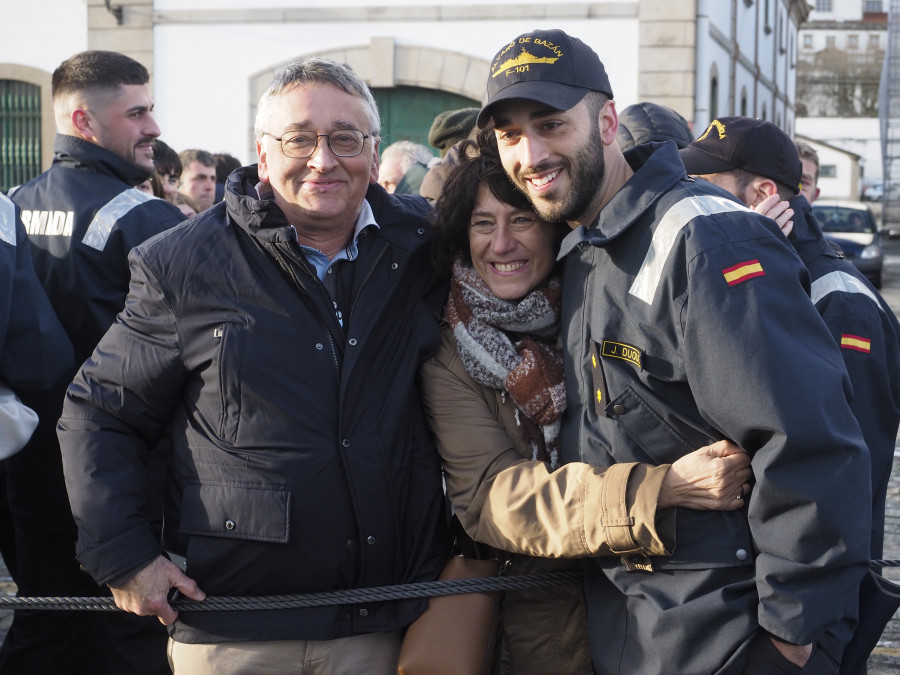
point(349, 543)
point(741, 554)
point(346, 442)
point(370, 541)
point(618, 409)
point(352, 342)
point(320, 346)
point(364, 612)
point(394, 266)
point(421, 230)
point(230, 525)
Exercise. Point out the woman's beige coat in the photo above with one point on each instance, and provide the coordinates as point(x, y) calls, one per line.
point(516, 505)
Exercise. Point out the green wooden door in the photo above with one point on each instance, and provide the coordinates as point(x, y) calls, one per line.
point(407, 112)
point(20, 133)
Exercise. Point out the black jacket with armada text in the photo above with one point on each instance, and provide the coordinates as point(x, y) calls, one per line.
point(302, 461)
point(82, 217)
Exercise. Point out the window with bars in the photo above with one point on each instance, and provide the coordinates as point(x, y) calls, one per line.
point(823, 5)
point(20, 133)
point(873, 6)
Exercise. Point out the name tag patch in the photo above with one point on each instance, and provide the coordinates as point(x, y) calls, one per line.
point(620, 350)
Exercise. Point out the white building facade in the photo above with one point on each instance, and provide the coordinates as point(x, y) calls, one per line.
point(211, 59)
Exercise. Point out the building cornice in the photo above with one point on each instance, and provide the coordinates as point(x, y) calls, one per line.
point(440, 12)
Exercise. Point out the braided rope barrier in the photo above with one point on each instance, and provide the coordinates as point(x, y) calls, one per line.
point(423, 589)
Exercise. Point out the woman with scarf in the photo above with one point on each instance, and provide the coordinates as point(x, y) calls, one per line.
point(495, 393)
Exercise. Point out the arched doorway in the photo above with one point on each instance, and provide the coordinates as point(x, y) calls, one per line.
point(407, 112)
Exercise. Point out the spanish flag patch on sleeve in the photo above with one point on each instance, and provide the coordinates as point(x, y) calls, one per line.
point(741, 272)
point(856, 342)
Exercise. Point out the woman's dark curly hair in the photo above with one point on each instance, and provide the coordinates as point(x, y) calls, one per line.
point(479, 163)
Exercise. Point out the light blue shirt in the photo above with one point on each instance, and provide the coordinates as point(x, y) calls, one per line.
point(321, 262)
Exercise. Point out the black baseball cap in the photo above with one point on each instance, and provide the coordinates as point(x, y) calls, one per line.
point(547, 66)
point(756, 146)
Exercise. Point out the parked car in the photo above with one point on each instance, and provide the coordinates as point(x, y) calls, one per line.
point(850, 227)
point(875, 192)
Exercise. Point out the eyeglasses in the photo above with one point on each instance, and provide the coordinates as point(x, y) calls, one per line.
point(302, 144)
point(173, 180)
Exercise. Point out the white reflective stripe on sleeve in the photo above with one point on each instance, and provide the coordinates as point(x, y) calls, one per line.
point(840, 282)
point(7, 221)
point(98, 232)
point(647, 279)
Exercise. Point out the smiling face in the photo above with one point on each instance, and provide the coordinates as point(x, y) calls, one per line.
point(322, 193)
point(555, 156)
point(512, 249)
point(121, 120)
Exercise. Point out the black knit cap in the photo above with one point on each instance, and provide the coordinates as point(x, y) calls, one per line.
point(756, 146)
point(547, 66)
point(451, 127)
point(650, 122)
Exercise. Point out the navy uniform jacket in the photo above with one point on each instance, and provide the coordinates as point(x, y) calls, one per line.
point(35, 350)
point(867, 331)
point(687, 320)
point(82, 217)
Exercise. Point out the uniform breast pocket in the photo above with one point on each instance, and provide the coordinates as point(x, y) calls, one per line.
point(647, 428)
point(644, 401)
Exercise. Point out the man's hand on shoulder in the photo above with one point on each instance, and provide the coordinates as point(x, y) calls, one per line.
point(146, 592)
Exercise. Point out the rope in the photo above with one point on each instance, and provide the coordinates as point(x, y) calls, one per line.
point(424, 589)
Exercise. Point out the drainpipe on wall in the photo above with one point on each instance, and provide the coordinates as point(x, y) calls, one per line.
point(701, 51)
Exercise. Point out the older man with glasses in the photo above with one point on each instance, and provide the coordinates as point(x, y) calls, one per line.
point(277, 336)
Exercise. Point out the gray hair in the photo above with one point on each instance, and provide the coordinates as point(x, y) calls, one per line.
point(407, 153)
point(320, 71)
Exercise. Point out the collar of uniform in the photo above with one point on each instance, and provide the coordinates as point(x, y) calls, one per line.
point(806, 237)
point(73, 149)
point(657, 167)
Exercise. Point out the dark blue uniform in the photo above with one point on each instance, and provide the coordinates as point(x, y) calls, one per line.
point(82, 217)
point(867, 331)
point(35, 350)
point(687, 320)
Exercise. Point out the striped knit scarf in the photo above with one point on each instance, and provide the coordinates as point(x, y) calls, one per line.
point(513, 347)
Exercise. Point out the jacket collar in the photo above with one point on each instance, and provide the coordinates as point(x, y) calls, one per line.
point(807, 233)
point(74, 151)
point(657, 167)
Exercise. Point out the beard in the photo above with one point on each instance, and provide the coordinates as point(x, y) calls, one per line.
point(586, 170)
